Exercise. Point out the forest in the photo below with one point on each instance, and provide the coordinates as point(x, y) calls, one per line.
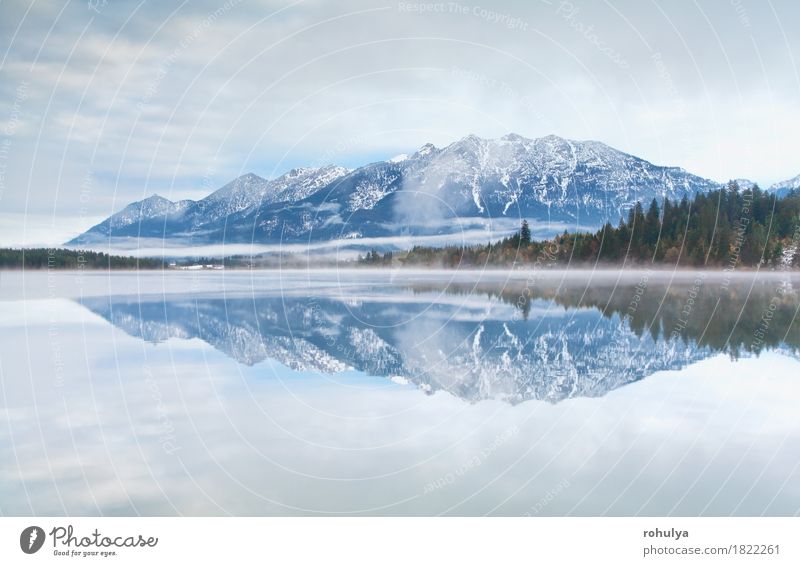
point(59, 258)
point(728, 227)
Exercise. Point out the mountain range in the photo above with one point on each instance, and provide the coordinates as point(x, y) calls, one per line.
point(472, 184)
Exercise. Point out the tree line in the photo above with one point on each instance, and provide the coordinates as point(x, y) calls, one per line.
point(44, 258)
point(724, 227)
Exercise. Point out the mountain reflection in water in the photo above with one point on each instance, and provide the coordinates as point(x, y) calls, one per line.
point(502, 341)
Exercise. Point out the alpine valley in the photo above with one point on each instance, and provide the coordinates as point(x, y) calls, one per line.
point(479, 184)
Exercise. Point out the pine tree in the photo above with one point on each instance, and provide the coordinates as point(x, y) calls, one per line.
point(525, 233)
point(652, 225)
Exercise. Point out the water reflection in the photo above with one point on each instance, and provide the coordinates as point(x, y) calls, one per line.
point(511, 341)
point(275, 394)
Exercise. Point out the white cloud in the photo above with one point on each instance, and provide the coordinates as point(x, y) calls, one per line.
point(154, 100)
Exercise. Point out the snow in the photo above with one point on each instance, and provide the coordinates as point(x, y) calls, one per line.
point(154, 206)
point(793, 183)
point(551, 177)
point(426, 149)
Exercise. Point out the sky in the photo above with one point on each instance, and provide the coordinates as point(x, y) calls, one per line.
point(105, 102)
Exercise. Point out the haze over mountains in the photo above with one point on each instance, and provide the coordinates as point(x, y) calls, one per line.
point(472, 184)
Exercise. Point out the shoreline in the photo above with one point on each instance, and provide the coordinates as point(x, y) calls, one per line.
point(604, 269)
point(18, 285)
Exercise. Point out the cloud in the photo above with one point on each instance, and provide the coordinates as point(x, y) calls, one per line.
point(177, 99)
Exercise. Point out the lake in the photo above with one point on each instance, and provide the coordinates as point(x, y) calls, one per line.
point(399, 393)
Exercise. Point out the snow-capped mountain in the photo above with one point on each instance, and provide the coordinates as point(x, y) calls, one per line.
point(154, 206)
point(158, 217)
point(744, 184)
point(474, 182)
point(251, 191)
point(785, 186)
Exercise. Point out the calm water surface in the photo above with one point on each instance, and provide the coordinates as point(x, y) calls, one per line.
point(263, 393)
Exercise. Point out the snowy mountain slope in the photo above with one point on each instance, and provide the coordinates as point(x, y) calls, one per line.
point(484, 181)
point(784, 187)
point(475, 181)
point(129, 218)
point(158, 217)
point(251, 191)
point(744, 184)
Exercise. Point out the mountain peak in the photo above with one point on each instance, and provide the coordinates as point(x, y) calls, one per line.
point(512, 137)
point(296, 172)
point(155, 197)
point(426, 149)
point(314, 170)
point(250, 177)
point(553, 138)
point(250, 192)
point(793, 183)
point(744, 184)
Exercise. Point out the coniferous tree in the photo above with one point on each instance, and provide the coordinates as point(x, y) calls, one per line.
point(525, 233)
point(652, 225)
point(724, 227)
